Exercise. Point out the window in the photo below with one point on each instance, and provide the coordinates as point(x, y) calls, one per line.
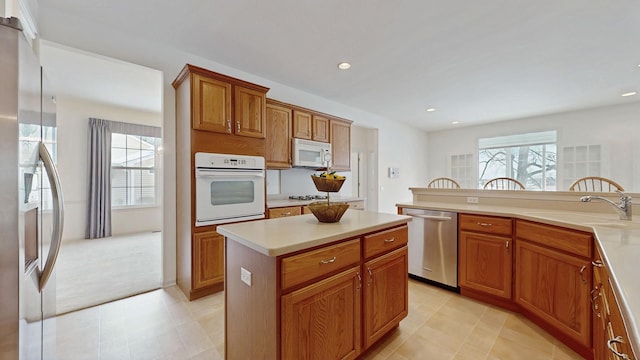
point(529, 158)
point(133, 170)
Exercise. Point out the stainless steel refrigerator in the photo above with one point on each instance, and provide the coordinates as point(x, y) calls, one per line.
point(31, 212)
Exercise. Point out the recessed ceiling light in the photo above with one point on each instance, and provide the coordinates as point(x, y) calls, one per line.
point(431, 109)
point(344, 65)
point(629, 93)
point(455, 122)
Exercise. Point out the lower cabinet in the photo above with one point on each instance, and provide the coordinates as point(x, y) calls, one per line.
point(553, 283)
point(485, 255)
point(341, 315)
point(610, 336)
point(208, 259)
point(322, 321)
point(385, 276)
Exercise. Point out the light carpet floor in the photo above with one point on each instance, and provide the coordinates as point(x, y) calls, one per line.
point(92, 272)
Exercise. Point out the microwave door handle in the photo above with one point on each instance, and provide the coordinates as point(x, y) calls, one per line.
point(216, 173)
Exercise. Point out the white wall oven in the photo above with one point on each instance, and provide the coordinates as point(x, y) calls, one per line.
point(229, 188)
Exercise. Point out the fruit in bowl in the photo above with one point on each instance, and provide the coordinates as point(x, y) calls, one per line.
point(328, 182)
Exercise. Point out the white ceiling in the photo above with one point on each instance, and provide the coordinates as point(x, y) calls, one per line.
point(474, 61)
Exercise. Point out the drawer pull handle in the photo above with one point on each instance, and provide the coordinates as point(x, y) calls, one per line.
point(507, 246)
point(359, 281)
point(370, 277)
point(484, 224)
point(390, 240)
point(594, 305)
point(333, 259)
point(597, 263)
point(288, 213)
point(582, 269)
point(618, 339)
point(238, 126)
point(229, 126)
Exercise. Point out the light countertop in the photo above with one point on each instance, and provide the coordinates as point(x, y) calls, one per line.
point(618, 241)
point(280, 236)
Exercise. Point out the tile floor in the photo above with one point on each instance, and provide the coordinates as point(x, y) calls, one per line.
point(162, 324)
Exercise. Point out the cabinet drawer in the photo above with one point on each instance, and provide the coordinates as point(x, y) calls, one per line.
point(309, 265)
point(284, 212)
point(385, 241)
point(487, 224)
point(571, 241)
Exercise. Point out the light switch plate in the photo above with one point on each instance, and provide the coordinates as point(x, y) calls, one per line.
point(245, 276)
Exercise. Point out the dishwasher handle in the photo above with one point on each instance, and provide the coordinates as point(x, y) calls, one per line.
point(431, 217)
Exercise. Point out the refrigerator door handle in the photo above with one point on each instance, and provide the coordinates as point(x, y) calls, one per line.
point(58, 215)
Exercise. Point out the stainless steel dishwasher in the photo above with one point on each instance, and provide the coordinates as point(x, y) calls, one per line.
point(433, 246)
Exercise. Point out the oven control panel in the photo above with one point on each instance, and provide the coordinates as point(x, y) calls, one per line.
point(228, 161)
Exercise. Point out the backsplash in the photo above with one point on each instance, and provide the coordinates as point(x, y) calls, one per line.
point(297, 181)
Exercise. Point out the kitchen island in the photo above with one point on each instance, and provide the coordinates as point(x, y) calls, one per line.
point(297, 288)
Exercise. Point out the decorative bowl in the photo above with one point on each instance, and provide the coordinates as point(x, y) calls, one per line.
point(327, 185)
point(328, 212)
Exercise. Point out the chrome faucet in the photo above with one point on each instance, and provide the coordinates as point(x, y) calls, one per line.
point(624, 208)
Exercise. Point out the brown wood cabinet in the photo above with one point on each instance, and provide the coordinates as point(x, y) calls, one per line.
point(278, 136)
point(208, 256)
point(340, 134)
point(302, 124)
point(284, 211)
point(249, 112)
point(211, 104)
point(322, 320)
point(485, 255)
point(215, 113)
point(609, 330)
point(382, 310)
point(320, 128)
point(553, 282)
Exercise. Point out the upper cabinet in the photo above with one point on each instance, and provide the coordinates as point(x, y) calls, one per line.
point(278, 141)
point(305, 124)
point(320, 129)
point(340, 134)
point(301, 124)
point(223, 104)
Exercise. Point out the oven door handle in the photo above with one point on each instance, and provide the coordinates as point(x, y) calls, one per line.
point(218, 173)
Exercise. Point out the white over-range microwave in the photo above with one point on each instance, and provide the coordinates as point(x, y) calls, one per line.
point(229, 188)
point(307, 153)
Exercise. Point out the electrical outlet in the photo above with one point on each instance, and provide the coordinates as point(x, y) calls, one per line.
point(245, 276)
point(472, 200)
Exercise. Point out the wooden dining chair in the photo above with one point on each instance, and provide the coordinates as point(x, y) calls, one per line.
point(443, 183)
point(503, 183)
point(595, 184)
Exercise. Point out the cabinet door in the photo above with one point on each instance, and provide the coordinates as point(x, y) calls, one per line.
point(555, 287)
point(320, 128)
point(322, 321)
point(278, 137)
point(208, 259)
point(211, 104)
point(249, 112)
point(386, 294)
point(340, 134)
point(485, 263)
point(301, 125)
